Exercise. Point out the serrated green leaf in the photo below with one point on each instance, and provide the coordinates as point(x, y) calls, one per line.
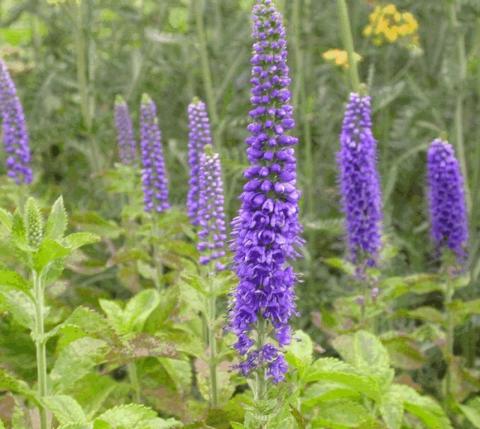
point(65, 409)
point(424, 408)
point(341, 413)
point(327, 391)
point(10, 383)
point(114, 314)
point(138, 309)
point(300, 351)
point(57, 221)
point(49, 252)
point(366, 353)
point(20, 306)
point(80, 239)
point(126, 416)
point(391, 409)
point(75, 361)
point(334, 370)
point(92, 391)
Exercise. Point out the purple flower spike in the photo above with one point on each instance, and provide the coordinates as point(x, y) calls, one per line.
point(360, 183)
point(15, 135)
point(125, 136)
point(211, 214)
point(267, 229)
point(199, 136)
point(446, 197)
point(154, 178)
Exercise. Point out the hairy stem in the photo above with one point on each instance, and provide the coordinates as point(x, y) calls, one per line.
point(450, 327)
point(157, 266)
point(346, 32)
point(133, 377)
point(40, 345)
point(212, 343)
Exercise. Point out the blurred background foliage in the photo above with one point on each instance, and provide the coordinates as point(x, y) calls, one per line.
point(70, 58)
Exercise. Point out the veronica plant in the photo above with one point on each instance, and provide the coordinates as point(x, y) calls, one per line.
point(448, 228)
point(198, 137)
point(212, 237)
point(15, 135)
point(41, 249)
point(267, 230)
point(125, 134)
point(154, 176)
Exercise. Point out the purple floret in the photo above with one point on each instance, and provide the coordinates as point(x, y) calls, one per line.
point(15, 134)
point(267, 230)
point(125, 135)
point(359, 182)
point(154, 177)
point(446, 197)
point(199, 136)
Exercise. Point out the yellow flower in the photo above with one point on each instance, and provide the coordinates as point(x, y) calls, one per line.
point(339, 57)
point(388, 25)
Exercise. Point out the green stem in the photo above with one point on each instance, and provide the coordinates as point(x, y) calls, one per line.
point(260, 379)
point(346, 31)
point(82, 70)
point(462, 74)
point(450, 327)
point(158, 270)
point(40, 346)
point(133, 376)
point(206, 72)
point(212, 343)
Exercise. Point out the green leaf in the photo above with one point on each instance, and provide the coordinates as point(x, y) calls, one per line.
point(80, 239)
point(33, 223)
point(19, 233)
point(65, 409)
point(126, 416)
point(300, 352)
point(57, 221)
point(75, 361)
point(138, 309)
point(48, 252)
point(341, 414)
point(427, 314)
point(20, 306)
point(6, 219)
point(341, 264)
point(365, 352)
point(114, 314)
point(471, 410)
point(391, 409)
point(12, 280)
point(424, 408)
point(334, 370)
point(327, 391)
point(10, 383)
point(92, 391)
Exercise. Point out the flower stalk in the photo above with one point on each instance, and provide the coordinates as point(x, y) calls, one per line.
point(347, 37)
point(40, 345)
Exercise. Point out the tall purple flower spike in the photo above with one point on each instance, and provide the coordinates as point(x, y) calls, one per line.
point(154, 178)
point(15, 134)
point(211, 214)
point(199, 136)
point(267, 230)
point(360, 183)
point(125, 135)
point(446, 197)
